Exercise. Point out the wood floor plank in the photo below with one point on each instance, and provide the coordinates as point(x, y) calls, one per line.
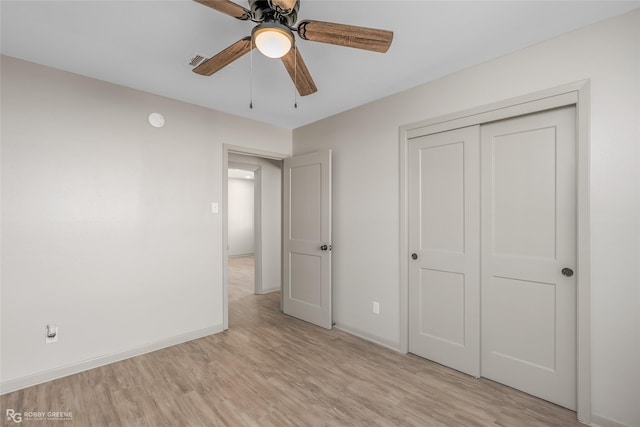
point(269, 369)
point(241, 276)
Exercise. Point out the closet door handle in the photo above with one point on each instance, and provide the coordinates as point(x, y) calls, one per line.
point(414, 256)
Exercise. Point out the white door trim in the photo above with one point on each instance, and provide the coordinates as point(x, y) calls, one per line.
point(577, 94)
point(226, 149)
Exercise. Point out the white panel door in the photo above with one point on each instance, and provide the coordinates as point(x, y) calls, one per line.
point(444, 226)
point(307, 238)
point(528, 238)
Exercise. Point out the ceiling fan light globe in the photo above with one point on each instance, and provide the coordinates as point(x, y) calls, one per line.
point(272, 40)
point(273, 44)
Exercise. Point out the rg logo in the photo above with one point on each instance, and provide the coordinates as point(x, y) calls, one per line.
point(14, 416)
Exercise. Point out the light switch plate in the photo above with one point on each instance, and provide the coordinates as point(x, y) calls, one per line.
point(215, 208)
point(376, 307)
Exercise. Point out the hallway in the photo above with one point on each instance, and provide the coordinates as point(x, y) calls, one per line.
point(241, 276)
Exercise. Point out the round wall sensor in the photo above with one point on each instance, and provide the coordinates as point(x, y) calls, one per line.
point(156, 120)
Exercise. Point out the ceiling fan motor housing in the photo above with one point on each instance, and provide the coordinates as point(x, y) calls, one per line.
point(265, 11)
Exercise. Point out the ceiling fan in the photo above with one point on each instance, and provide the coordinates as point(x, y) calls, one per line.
point(273, 36)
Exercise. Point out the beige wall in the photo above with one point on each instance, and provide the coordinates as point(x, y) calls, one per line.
point(107, 229)
point(365, 146)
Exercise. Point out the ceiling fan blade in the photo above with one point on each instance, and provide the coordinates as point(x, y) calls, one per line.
point(224, 58)
point(227, 7)
point(346, 35)
point(299, 72)
point(284, 4)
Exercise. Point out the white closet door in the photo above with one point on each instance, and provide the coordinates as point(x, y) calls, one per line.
point(528, 295)
point(444, 219)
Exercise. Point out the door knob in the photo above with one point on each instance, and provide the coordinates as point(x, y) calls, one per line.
point(324, 247)
point(567, 272)
point(414, 255)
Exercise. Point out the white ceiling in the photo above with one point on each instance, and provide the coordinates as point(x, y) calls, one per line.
point(146, 45)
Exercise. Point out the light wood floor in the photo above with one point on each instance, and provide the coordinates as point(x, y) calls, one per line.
point(273, 370)
point(241, 276)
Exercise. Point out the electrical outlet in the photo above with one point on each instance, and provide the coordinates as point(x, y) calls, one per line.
point(51, 334)
point(376, 307)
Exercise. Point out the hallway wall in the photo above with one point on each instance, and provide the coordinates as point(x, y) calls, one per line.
point(241, 217)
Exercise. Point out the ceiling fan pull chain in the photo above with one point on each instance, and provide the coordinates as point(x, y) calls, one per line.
point(295, 76)
point(251, 76)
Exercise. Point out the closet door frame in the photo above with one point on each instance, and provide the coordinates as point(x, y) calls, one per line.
point(577, 94)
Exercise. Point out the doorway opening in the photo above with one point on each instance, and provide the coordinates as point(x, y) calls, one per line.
point(243, 198)
point(252, 223)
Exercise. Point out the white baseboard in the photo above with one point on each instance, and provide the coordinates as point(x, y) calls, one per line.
point(366, 336)
point(53, 374)
point(598, 421)
point(269, 291)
